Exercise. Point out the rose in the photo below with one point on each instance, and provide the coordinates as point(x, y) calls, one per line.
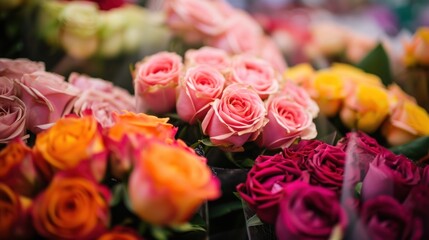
point(263, 189)
point(109, 4)
point(165, 191)
point(417, 202)
point(300, 74)
point(397, 95)
point(392, 175)
point(255, 72)
point(12, 118)
point(425, 176)
point(126, 135)
point(365, 108)
point(407, 122)
point(71, 143)
point(236, 118)
point(84, 82)
point(309, 212)
point(15, 68)
point(13, 214)
point(270, 52)
point(71, 207)
point(17, 168)
point(361, 150)
point(416, 50)
point(327, 89)
point(47, 98)
point(78, 30)
point(101, 106)
point(327, 167)
point(8, 87)
point(198, 17)
point(327, 39)
point(243, 35)
point(214, 57)
point(200, 86)
point(122, 233)
point(288, 121)
point(155, 80)
point(380, 214)
point(300, 95)
point(301, 151)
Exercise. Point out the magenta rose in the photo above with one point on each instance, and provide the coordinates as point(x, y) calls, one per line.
point(15, 68)
point(417, 202)
point(8, 87)
point(47, 98)
point(236, 118)
point(299, 95)
point(155, 82)
point(12, 118)
point(288, 121)
point(301, 151)
point(309, 212)
point(327, 168)
point(264, 184)
point(199, 87)
point(214, 57)
point(255, 72)
point(385, 218)
point(392, 175)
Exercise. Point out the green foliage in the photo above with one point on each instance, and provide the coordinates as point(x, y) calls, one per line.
point(414, 150)
point(377, 62)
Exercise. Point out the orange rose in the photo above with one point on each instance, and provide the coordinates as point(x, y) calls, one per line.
point(12, 214)
point(126, 135)
point(169, 183)
point(17, 169)
point(72, 207)
point(417, 49)
point(120, 233)
point(67, 144)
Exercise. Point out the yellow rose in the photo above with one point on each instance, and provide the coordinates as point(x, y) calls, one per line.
point(69, 142)
point(365, 108)
point(169, 183)
point(407, 122)
point(328, 91)
point(417, 50)
point(301, 74)
point(72, 207)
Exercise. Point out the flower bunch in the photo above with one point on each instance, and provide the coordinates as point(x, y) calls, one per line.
point(362, 102)
point(352, 190)
point(61, 187)
point(84, 29)
point(237, 99)
point(217, 24)
point(33, 99)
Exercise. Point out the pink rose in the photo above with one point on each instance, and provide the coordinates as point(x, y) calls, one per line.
point(84, 82)
point(200, 86)
point(47, 98)
point(300, 96)
point(196, 17)
point(155, 81)
point(236, 118)
point(15, 68)
point(270, 52)
point(288, 121)
point(8, 87)
point(213, 57)
point(103, 106)
point(12, 118)
point(255, 72)
point(242, 36)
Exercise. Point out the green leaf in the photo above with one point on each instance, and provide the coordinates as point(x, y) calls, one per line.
point(377, 63)
point(337, 233)
point(358, 188)
point(160, 233)
point(187, 227)
point(207, 142)
point(237, 195)
point(414, 150)
point(225, 208)
point(117, 193)
point(254, 221)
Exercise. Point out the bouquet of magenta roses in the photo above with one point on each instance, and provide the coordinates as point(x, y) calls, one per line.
point(91, 169)
point(355, 189)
